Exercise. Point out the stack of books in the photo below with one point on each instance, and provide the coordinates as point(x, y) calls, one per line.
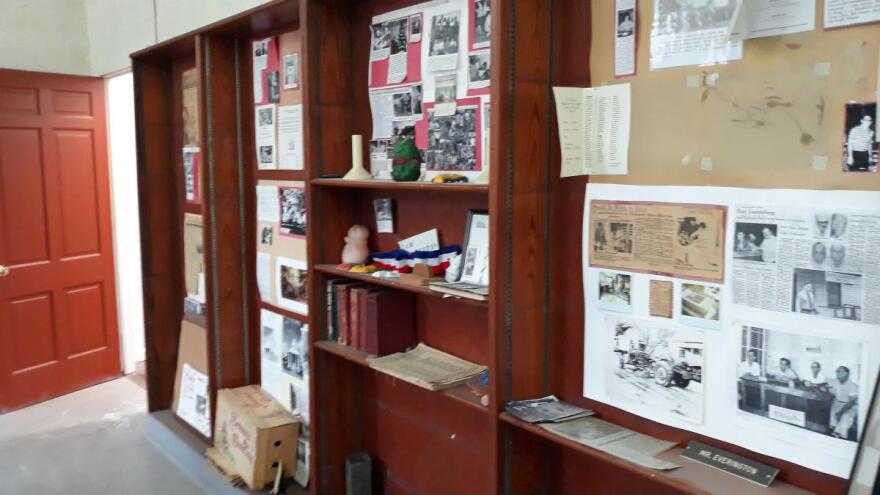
point(372, 319)
point(546, 410)
point(427, 367)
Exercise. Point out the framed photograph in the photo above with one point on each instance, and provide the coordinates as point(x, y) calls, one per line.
point(475, 264)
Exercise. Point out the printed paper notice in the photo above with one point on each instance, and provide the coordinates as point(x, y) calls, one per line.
point(761, 18)
point(840, 13)
point(264, 130)
point(693, 33)
point(426, 241)
point(264, 276)
point(193, 406)
point(268, 207)
point(625, 38)
point(676, 240)
point(290, 137)
point(397, 61)
point(660, 298)
point(382, 107)
point(594, 129)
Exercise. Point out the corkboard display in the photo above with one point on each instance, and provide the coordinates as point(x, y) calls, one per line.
point(763, 121)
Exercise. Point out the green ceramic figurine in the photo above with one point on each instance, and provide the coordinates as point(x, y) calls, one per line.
point(406, 164)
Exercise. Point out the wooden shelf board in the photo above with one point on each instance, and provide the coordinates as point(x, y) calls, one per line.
point(691, 477)
point(395, 284)
point(406, 186)
point(459, 394)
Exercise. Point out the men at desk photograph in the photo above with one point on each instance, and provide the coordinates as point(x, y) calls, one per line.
point(810, 400)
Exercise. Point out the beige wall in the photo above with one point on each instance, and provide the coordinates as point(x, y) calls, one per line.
point(95, 37)
point(44, 35)
point(749, 143)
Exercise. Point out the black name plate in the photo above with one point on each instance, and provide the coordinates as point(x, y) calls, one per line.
point(730, 463)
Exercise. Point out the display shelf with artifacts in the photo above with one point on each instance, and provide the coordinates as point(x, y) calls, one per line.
point(390, 184)
point(197, 160)
point(463, 393)
point(380, 85)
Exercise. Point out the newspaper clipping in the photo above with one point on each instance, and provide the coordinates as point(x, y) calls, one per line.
point(693, 33)
point(677, 240)
point(808, 262)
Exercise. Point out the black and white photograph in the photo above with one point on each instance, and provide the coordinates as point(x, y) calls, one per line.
point(802, 380)
point(860, 147)
point(190, 169)
point(274, 84)
point(682, 16)
point(475, 254)
point(266, 115)
point(266, 235)
point(837, 256)
point(479, 69)
point(444, 34)
point(397, 31)
point(482, 23)
point(293, 211)
point(415, 28)
point(403, 104)
point(625, 23)
point(839, 222)
point(291, 70)
point(267, 154)
point(384, 210)
point(381, 41)
point(269, 343)
point(615, 287)
point(401, 130)
point(819, 254)
point(452, 141)
point(821, 224)
point(417, 98)
point(701, 305)
point(828, 294)
point(293, 348)
point(755, 242)
point(657, 367)
point(613, 237)
point(292, 285)
point(445, 91)
point(379, 147)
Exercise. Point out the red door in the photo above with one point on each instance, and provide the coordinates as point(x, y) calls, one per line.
point(57, 292)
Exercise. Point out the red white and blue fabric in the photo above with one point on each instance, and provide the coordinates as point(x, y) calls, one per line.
point(404, 261)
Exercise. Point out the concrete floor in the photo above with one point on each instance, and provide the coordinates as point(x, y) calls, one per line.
point(90, 441)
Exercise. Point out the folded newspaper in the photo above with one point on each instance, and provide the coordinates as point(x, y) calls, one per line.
point(615, 440)
point(546, 410)
point(427, 367)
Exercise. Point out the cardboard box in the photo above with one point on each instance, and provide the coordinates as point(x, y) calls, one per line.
point(252, 433)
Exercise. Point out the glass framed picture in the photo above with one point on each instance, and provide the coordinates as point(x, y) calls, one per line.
point(475, 261)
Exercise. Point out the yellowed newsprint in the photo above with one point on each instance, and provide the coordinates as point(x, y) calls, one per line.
point(676, 240)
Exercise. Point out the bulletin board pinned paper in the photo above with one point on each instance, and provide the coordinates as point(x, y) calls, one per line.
point(281, 244)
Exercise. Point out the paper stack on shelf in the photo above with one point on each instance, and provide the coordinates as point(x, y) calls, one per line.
point(546, 410)
point(615, 440)
point(427, 367)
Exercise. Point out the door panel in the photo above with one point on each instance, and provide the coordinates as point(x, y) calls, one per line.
point(33, 341)
point(21, 197)
point(58, 327)
point(79, 202)
point(87, 333)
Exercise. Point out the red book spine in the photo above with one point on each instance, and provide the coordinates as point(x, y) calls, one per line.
point(389, 324)
point(342, 313)
point(362, 304)
point(353, 318)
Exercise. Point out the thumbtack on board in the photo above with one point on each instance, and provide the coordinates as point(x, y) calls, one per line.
point(820, 163)
point(706, 163)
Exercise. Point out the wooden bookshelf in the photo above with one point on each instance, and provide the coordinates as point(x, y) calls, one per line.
point(396, 284)
point(403, 186)
point(690, 478)
point(460, 393)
